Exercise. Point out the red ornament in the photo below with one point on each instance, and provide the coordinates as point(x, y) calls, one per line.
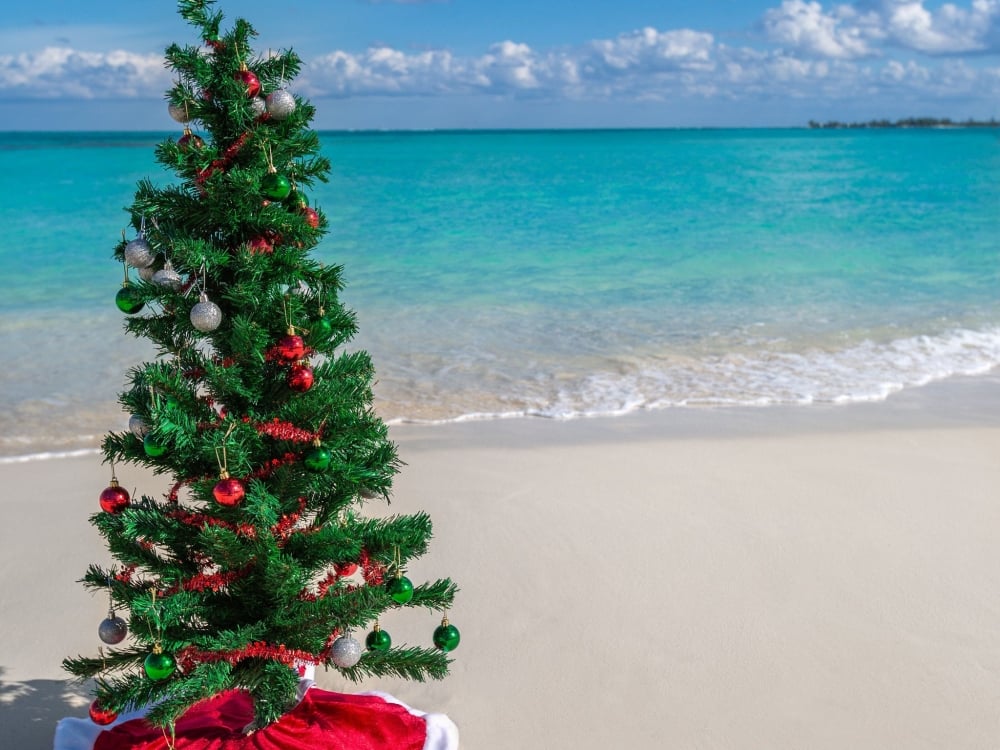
point(345, 569)
point(291, 348)
point(229, 491)
point(189, 140)
point(312, 218)
point(250, 79)
point(101, 715)
point(260, 246)
point(207, 95)
point(114, 498)
point(300, 378)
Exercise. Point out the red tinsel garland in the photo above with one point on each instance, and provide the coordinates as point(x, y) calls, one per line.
point(284, 528)
point(214, 581)
point(200, 521)
point(273, 465)
point(190, 656)
point(280, 430)
point(373, 570)
point(220, 165)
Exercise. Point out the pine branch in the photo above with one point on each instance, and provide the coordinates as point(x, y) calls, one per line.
point(409, 663)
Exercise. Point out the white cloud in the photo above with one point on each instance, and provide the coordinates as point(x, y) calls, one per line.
point(950, 29)
point(649, 49)
point(862, 29)
point(63, 72)
point(805, 27)
point(833, 52)
point(515, 68)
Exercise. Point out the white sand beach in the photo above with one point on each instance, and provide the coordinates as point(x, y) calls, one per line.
point(820, 577)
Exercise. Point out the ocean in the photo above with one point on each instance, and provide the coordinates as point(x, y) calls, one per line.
point(554, 274)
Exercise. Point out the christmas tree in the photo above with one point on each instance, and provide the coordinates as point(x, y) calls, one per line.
point(257, 559)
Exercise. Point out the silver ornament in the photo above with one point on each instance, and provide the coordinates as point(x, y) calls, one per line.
point(205, 315)
point(139, 253)
point(258, 106)
point(346, 652)
point(147, 273)
point(137, 426)
point(179, 113)
point(112, 629)
point(168, 277)
point(280, 104)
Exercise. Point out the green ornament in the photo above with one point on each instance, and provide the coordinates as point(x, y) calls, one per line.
point(158, 665)
point(153, 447)
point(318, 459)
point(446, 636)
point(128, 299)
point(275, 186)
point(320, 331)
point(400, 589)
point(296, 200)
point(378, 640)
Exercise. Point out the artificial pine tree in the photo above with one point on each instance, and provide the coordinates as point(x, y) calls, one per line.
point(257, 559)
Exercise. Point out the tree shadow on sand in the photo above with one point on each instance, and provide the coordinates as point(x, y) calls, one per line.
point(30, 710)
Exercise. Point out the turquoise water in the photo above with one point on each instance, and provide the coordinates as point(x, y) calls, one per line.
point(558, 274)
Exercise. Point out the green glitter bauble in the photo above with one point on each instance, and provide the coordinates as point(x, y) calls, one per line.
point(400, 589)
point(446, 637)
point(378, 640)
point(128, 300)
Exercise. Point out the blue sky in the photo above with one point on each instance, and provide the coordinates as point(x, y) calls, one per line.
point(526, 63)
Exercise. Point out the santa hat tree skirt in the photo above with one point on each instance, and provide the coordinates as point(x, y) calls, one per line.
point(322, 720)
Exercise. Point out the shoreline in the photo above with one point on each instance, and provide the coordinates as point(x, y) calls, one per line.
point(821, 577)
point(958, 400)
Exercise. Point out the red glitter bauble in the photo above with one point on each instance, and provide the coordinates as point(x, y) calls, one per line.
point(100, 715)
point(250, 79)
point(260, 246)
point(114, 498)
point(229, 491)
point(300, 378)
point(291, 348)
point(312, 218)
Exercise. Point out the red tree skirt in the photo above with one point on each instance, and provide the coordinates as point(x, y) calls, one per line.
point(321, 721)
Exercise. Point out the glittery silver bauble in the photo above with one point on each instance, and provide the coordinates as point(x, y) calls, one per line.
point(179, 113)
point(280, 104)
point(147, 273)
point(258, 106)
point(346, 652)
point(206, 315)
point(112, 630)
point(167, 276)
point(139, 253)
point(137, 426)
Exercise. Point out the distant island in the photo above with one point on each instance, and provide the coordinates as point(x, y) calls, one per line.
point(909, 122)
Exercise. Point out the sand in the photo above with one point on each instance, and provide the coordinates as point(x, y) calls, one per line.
point(820, 577)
